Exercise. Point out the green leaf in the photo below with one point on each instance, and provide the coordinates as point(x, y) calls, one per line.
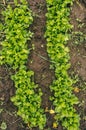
point(3, 125)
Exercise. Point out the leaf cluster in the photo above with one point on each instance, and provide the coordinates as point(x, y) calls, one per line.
point(57, 28)
point(14, 48)
point(27, 100)
point(14, 53)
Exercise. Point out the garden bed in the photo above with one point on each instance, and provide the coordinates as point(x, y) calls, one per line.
point(39, 62)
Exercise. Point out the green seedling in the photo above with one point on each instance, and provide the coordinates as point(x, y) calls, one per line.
point(1, 110)
point(3, 126)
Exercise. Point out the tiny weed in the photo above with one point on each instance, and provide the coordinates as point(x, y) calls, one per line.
point(3, 126)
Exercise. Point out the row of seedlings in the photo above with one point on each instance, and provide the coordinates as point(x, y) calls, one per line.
point(15, 53)
point(57, 35)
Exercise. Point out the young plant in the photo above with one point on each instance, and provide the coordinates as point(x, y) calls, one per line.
point(57, 28)
point(14, 48)
point(14, 53)
point(27, 100)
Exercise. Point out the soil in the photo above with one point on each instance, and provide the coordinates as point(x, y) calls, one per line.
point(78, 58)
point(39, 62)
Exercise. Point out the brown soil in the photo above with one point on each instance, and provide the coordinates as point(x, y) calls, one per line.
point(38, 61)
point(78, 58)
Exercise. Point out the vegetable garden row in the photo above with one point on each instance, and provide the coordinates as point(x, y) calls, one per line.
point(15, 53)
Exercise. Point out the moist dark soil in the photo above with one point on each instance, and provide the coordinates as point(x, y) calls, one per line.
point(39, 62)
